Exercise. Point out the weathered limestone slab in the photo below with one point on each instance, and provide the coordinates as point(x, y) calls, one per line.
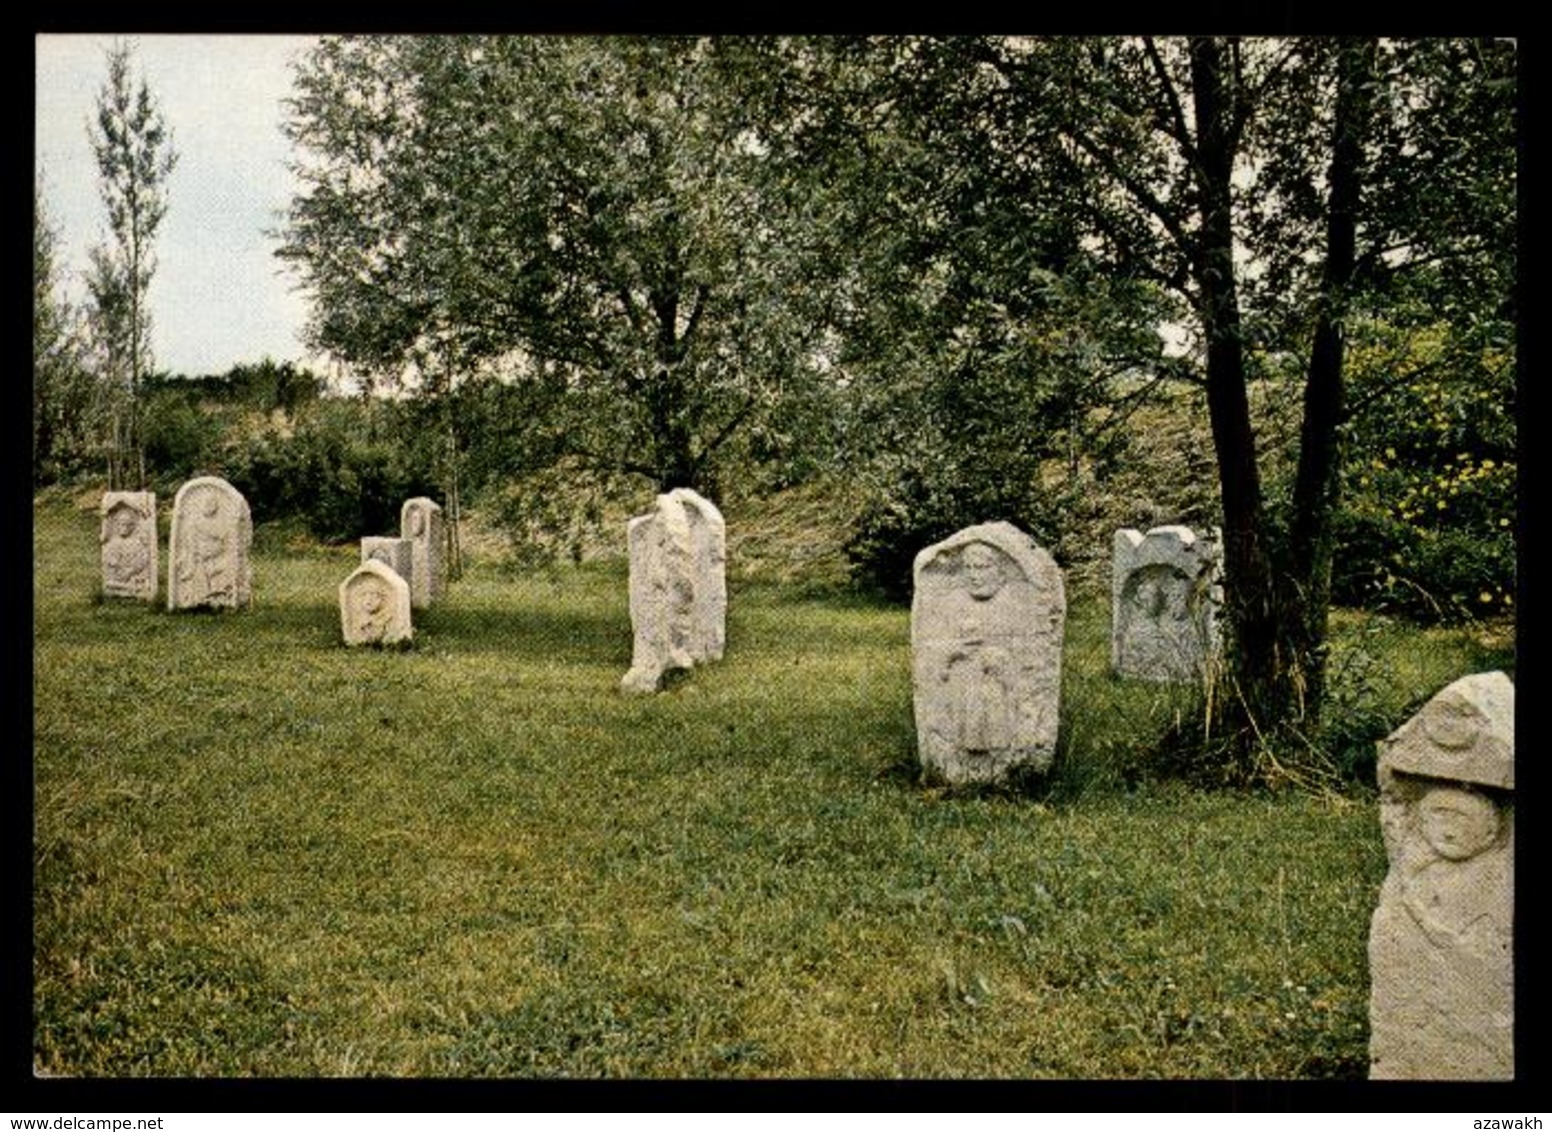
point(987, 617)
point(1441, 962)
point(678, 588)
point(375, 605)
point(129, 550)
point(420, 521)
point(394, 553)
point(1165, 596)
point(208, 555)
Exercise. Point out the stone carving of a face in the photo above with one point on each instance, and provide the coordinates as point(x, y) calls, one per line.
point(371, 599)
point(124, 522)
point(417, 522)
point(381, 555)
point(982, 570)
point(1457, 824)
point(210, 505)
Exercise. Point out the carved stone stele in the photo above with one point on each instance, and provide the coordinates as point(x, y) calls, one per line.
point(208, 553)
point(395, 553)
point(375, 606)
point(1165, 595)
point(678, 588)
point(420, 521)
point(1441, 961)
point(987, 616)
point(129, 549)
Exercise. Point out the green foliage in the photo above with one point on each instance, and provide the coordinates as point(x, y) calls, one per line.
point(590, 214)
point(135, 158)
point(1427, 527)
point(932, 500)
point(342, 469)
point(266, 386)
point(63, 393)
point(180, 436)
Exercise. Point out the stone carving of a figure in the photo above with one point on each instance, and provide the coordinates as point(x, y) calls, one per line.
point(979, 671)
point(373, 611)
point(206, 568)
point(125, 556)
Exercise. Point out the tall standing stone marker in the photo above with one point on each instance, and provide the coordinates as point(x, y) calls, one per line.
point(678, 588)
point(208, 555)
point(420, 521)
point(987, 616)
point(129, 550)
point(1441, 962)
point(1165, 597)
point(375, 605)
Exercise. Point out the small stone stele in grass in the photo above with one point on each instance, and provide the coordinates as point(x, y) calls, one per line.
point(209, 550)
point(1165, 596)
point(987, 615)
point(395, 553)
point(375, 606)
point(129, 549)
point(678, 588)
point(1441, 962)
point(420, 521)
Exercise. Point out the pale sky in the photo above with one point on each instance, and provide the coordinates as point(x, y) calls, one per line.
point(219, 296)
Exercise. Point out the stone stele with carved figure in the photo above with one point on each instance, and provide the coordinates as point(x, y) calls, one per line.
point(129, 550)
point(1166, 591)
point(1441, 959)
point(987, 616)
point(420, 521)
point(678, 588)
point(209, 550)
point(375, 606)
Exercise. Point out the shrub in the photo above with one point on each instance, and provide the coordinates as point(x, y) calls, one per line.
point(342, 472)
point(1427, 524)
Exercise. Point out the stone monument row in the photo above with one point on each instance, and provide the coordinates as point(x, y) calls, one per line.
point(208, 551)
point(420, 521)
point(129, 549)
point(1165, 596)
point(678, 588)
point(1441, 960)
point(987, 617)
point(375, 605)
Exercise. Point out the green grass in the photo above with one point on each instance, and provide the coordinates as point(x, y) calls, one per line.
point(260, 853)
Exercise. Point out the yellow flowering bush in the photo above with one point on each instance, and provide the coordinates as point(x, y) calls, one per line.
point(1426, 522)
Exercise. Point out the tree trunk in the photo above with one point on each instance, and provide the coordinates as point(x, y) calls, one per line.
point(671, 432)
point(1261, 671)
point(1316, 487)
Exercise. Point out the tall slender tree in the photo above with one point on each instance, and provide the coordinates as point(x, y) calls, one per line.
point(61, 395)
point(135, 157)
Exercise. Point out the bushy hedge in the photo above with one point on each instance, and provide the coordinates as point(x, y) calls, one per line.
point(344, 473)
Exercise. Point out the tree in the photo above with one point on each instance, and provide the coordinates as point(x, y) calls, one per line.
point(1259, 181)
point(61, 390)
point(135, 158)
point(974, 340)
point(589, 216)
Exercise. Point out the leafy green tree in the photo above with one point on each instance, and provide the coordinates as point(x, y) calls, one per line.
point(135, 158)
point(970, 332)
point(591, 216)
point(62, 401)
point(1262, 185)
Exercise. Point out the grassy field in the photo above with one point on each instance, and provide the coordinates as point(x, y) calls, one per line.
point(260, 853)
